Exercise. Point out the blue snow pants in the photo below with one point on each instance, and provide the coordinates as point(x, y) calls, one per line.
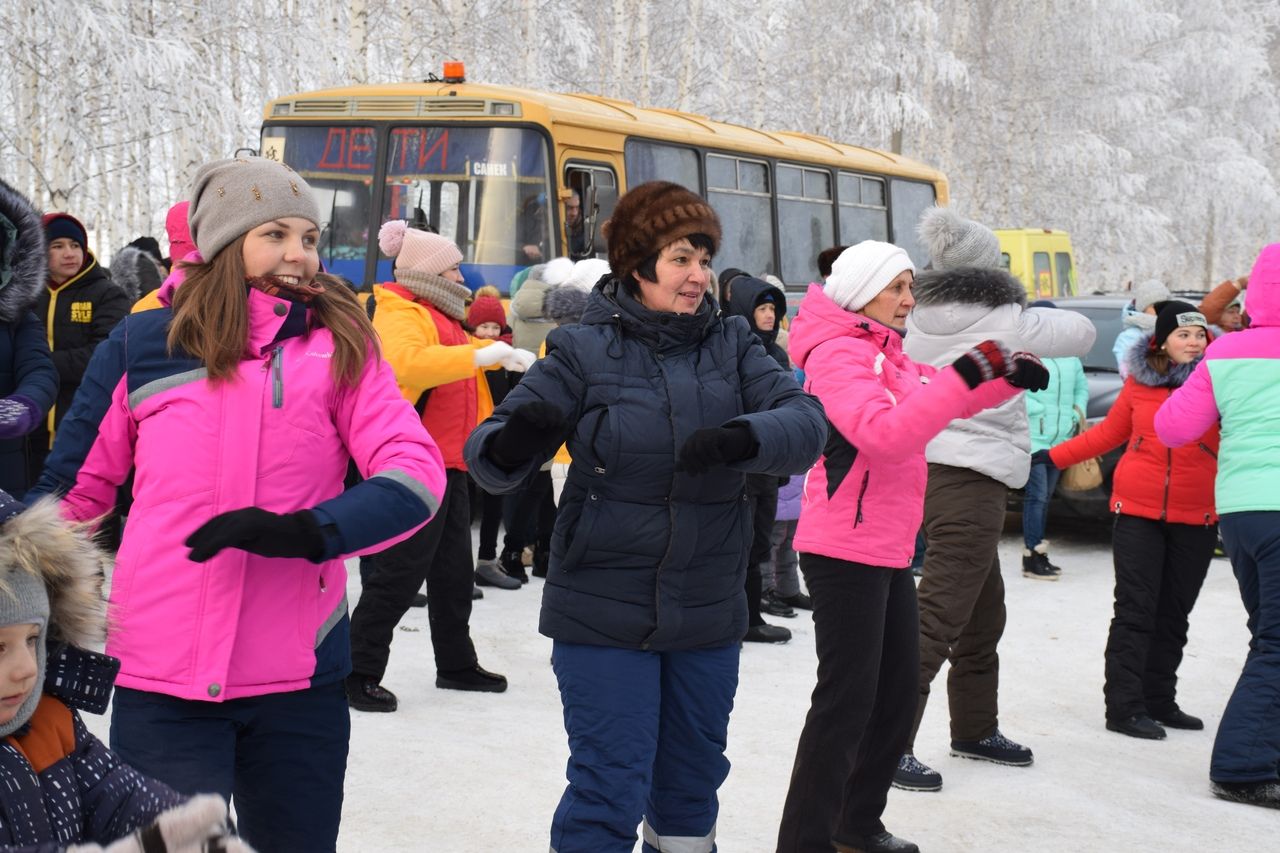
point(282, 757)
point(647, 733)
point(1247, 748)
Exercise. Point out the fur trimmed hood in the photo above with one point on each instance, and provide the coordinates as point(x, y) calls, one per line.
point(982, 286)
point(136, 272)
point(25, 260)
point(40, 542)
point(1143, 374)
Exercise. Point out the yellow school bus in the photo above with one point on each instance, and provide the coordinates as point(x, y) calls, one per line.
point(1041, 258)
point(516, 176)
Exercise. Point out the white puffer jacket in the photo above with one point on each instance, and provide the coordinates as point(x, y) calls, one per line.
point(959, 308)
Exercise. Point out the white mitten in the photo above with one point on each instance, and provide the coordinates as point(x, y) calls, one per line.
point(492, 354)
point(197, 825)
point(519, 361)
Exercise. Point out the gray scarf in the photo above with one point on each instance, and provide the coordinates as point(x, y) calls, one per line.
point(448, 297)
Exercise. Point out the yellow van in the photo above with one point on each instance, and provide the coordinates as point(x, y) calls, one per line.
point(1041, 259)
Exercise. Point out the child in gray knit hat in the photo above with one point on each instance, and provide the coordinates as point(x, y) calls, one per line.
point(58, 783)
point(953, 241)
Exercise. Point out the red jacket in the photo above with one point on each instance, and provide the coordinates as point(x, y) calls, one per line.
point(1151, 479)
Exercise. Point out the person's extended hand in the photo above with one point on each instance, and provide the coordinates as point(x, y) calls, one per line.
point(197, 826)
point(1028, 372)
point(534, 430)
point(713, 446)
point(18, 416)
point(984, 362)
point(252, 529)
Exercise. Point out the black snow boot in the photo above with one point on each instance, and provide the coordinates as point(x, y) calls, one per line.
point(1179, 719)
point(881, 842)
point(1139, 725)
point(511, 563)
point(474, 678)
point(995, 748)
point(1036, 565)
point(364, 693)
point(1265, 794)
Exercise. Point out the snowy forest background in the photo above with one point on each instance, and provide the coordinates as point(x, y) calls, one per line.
point(1150, 129)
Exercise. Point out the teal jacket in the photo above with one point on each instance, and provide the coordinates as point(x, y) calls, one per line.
point(1051, 413)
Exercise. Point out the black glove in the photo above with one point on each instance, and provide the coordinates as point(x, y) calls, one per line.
point(1028, 372)
point(1042, 457)
point(988, 360)
point(533, 431)
point(257, 531)
point(713, 446)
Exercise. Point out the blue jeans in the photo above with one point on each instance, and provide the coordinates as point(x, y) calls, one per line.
point(282, 757)
point(647, 733)
point(1035, 502)
point(1247, 748)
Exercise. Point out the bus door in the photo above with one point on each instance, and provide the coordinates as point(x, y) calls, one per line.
point(593, 189)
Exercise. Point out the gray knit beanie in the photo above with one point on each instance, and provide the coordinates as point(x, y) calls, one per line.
point(1149, 293)
point(953, 241)
point(229, 197)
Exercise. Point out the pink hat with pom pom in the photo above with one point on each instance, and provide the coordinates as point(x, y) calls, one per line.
point(417, 251)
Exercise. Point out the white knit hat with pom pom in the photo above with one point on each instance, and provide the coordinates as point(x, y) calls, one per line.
point(557, 271)
point(587, 272)
point(417, 251)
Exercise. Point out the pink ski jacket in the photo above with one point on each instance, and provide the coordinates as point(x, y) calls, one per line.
point(278, 437)
point(864, 499)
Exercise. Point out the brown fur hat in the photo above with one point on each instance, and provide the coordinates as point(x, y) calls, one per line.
point(653, 215)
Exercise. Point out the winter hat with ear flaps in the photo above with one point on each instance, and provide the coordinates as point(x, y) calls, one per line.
point(953, 241)
point(229, 197)
point(50, 576)
point(862, 271)
point(1174, 315)
point(651, 216)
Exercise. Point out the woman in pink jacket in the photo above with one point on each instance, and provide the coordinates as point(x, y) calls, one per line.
point(861, 507)
point(238, 406)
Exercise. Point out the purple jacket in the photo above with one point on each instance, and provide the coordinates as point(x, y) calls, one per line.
point(864, 499)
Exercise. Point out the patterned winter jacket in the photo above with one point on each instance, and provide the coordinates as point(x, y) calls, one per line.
point(1151, 480)
point(59, 785)
point(1238, 381)
point(645, 555)
point(864, 500)
point(279, 436)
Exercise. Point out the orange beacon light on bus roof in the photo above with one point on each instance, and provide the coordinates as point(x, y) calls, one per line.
point(455, 72)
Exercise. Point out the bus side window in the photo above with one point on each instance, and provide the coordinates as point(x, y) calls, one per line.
point(596, 193)
point(1066, 274)
point(1043, 275)
point(739, 191)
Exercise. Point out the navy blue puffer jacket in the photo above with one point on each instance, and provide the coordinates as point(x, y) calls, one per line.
point(644, 556)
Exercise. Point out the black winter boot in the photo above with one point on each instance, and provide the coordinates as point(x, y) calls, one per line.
point(1035, 565)
point(1139, 725)
point(364, 693)
point(1265, 794)
point(513, 566)
point(881, 842)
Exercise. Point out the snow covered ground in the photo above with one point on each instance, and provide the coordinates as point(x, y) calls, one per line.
point(454, 772)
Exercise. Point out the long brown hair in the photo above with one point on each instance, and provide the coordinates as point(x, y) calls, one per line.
point(211, 318)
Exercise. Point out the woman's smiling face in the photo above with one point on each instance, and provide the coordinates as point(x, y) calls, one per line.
point(683, 274)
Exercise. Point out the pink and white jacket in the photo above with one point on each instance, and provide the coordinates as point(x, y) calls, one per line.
point(278, 437)
point(864, 500)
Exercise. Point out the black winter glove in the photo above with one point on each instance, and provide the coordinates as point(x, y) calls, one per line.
point(257, 531)
point(533, 431)
point(988, 360)
point(1028, 372)
point(1042, 457)
point(713, 446)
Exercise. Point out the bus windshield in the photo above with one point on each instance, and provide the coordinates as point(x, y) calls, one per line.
point(485, 188)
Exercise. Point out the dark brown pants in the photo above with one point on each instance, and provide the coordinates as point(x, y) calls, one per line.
point(961, 597)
